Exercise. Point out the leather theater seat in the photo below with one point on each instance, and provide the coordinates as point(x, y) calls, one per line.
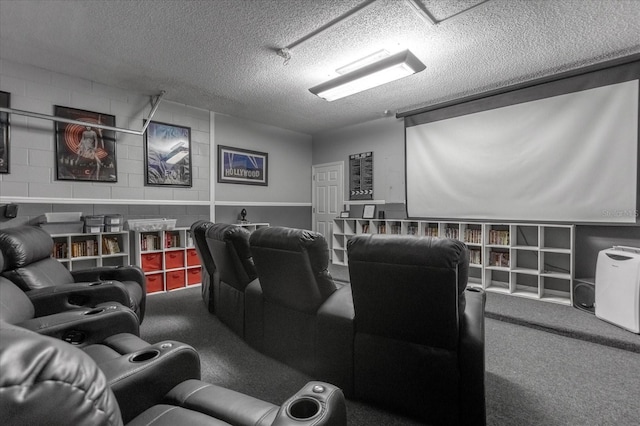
point(294, 283)
point(46, 381)
point(29, 265)
point(229, 249)
point(419, 332)
point(199, 232)
point(80, 326)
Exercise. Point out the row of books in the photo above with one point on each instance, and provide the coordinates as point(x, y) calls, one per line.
point(150, 242)
point(59, 251)
point(110, 245)
point(84, 248)
point(475, 257)
point(473, 236)
point(498, 237)
point(451, 233)
point(431, 231)
point(498, 258)
point(171, 239)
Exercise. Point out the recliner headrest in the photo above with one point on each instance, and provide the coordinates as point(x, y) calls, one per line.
point(292, 239)
point(48, 381)
point(23, 245)
point(238, 238)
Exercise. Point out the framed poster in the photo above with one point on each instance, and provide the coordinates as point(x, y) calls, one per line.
point(85, 152)
point(369, 211)
point(167, 155)
point(242, 166)
point(361, 176)
point(4, 133)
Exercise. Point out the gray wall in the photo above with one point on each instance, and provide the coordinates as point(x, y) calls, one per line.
point(287, 198)
point(385, 138)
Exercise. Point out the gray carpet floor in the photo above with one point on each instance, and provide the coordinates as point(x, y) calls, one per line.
point(534, 377)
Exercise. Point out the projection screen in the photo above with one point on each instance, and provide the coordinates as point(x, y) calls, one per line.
point(566, 158)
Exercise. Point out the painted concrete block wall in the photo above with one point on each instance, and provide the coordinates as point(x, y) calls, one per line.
point(32, 149)
point(385, 138)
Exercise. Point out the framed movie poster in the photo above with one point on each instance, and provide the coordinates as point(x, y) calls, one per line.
point(361, 176)
point(167, 155)
point(85, 152)
point(4, 134)
point(242, 166)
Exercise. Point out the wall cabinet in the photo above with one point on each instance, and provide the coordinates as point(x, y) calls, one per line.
point(168, 259)
point(520, 259)
point(77, 251)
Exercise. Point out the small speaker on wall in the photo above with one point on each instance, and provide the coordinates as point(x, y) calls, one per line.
point(584, 296)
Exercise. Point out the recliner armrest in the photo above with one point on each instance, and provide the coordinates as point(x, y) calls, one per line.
point(55, 299)
point(240, 409)
point(83, 327)
point(317, 404)
point(142, 379)
point(471, 359)
point(335, 339)
point(115, 273)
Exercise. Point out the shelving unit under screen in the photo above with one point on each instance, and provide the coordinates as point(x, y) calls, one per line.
point(519, 259)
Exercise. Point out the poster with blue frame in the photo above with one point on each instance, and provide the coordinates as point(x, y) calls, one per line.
point(242, 166)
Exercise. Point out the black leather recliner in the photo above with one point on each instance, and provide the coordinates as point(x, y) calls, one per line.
point(46, 381)
point(29, 265)
point(80, 326)
point(418, 331)
point(229, 249)
point(199, 233)
point(281, 312)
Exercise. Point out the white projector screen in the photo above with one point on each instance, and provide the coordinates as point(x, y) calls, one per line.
point(567, 158)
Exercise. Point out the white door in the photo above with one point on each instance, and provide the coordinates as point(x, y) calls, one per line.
point(328, 190)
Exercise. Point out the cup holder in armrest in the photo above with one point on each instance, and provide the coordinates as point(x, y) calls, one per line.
point(473, 289)
point(94, 311)
point(145, 356)
point(304, 409)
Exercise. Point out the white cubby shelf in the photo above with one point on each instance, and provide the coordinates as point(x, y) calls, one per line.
point(531, 260)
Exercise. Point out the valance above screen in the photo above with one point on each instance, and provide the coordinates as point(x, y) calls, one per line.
point(569, 157)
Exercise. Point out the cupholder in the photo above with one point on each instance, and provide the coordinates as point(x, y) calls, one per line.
point(94, 311)
point(145, 356)
point(473, 289)
point(304, 409)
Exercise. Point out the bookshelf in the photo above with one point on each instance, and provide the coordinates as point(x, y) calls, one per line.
point(78, 251)
point(168, 258)
point(519, 259)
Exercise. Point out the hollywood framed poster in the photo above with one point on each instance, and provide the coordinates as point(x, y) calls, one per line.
point(85, 152)
point(167, 154)
point(4, 133)
point(236, 165)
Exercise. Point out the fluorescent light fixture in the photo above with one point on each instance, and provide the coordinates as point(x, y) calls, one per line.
point(383, 71)
point(374, 57)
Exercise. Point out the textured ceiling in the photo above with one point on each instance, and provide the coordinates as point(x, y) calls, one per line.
point(220, 55)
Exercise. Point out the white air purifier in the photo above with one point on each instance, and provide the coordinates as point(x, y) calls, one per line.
point(617, 284)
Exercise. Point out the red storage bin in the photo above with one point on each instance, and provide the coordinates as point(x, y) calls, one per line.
point(192, 257)
point(175, 279)
point(155, 283)
point(151, 262)
point(194, 276)
point(174, 259)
